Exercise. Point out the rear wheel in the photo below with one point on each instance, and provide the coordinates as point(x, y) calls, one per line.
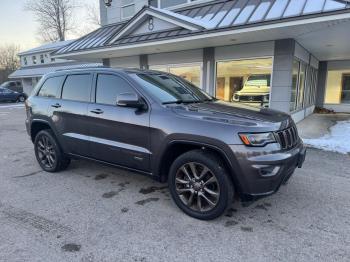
point(48, 153)
point(200, 185)
point(21, 99)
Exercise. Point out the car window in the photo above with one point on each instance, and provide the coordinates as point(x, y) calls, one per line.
point(12, 84)
point(51, 86)
point(77, 87)
point(170, 88)
point(109, 87)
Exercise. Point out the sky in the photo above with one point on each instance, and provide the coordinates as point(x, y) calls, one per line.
point(19, 27)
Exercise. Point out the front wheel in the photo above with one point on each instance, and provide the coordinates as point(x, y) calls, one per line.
point(48, 153)
point(21, 99)
point(199, 185)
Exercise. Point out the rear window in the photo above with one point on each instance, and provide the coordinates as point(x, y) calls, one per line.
point(77, 88)
point(51, 87)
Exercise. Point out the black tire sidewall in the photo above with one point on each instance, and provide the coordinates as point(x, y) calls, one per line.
point(56, 148)
point(217, 168)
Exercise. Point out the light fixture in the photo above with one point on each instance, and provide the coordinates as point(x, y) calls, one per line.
point(108, 2)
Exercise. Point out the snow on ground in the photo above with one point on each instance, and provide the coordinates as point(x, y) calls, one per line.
point(338, 140)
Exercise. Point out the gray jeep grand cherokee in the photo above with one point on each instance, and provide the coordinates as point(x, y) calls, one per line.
point(161, 125)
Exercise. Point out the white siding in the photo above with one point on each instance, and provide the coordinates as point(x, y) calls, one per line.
point(242, 51)
point(181, 57)
point(126, 62)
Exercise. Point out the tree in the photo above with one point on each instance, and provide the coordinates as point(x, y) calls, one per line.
point(9, 61)
point(55, 17)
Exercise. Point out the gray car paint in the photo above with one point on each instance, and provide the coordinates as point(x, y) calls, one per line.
point(139, 139)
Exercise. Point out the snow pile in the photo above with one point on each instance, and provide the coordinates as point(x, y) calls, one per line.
point(338, 140)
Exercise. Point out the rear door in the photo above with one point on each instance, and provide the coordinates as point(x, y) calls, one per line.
point(69, 113)
point(118, 135)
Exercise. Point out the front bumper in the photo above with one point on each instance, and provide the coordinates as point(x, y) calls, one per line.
point(263, 170)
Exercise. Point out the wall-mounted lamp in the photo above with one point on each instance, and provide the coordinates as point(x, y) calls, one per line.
point(108, 2)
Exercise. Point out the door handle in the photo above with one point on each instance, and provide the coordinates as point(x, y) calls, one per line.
point(57, 105)
point(97, 111)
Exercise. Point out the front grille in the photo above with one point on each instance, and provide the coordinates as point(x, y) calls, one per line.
point(250, 98)
point(287, 138)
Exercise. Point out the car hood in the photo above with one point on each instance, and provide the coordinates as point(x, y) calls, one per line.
point(253, 89)
point(234, 113)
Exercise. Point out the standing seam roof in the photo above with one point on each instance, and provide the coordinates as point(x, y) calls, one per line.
point(224, 14)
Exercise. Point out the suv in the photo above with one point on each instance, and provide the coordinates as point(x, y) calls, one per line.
point(161, 125)
point(255, 90)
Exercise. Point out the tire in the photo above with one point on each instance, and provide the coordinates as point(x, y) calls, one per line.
point(48, 152)
point(187, 194)
point(21, 99)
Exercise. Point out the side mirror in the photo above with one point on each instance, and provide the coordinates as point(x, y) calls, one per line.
point(130, 100)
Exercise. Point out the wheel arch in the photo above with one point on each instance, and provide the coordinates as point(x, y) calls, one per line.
point(178, 147)
point(38, 125)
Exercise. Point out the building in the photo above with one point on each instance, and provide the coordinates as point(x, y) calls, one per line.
point(39, 61)
point(290, 55)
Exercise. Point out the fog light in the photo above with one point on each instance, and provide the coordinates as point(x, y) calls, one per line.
point(267, 171)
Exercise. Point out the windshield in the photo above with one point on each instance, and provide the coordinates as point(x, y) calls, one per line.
point(170, 89)
point(258, 80)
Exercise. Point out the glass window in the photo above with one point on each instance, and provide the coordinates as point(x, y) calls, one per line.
point(246, 81)
point(42, 59)
point(301, 88)
point(25, 61)
point(192, 73)
point(169, 88)
point(51, 87)
point(77, 87)
point(295, 81)
point(109, 87)
point(153, 3)
point(345, 93)
point(34, 60)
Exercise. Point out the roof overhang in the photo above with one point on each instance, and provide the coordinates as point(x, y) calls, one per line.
point(298, 29)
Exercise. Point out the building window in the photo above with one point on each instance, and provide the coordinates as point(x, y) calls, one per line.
point(127, 8)
point(42, 59)
point(338, 87)
point(34, 60)
point(246, 81)
point(25, 60)
point(53, 59)
point(190, 72)
point(345, 93)
point(298, 85)
point(168, 3)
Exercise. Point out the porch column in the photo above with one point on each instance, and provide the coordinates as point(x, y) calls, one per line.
point(106, 62)
point(208, 78)
point(321, 83)
point(144, 62)
point(282, 75)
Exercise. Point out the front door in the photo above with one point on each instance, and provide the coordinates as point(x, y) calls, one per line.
point(69, 113)
point(118, 135)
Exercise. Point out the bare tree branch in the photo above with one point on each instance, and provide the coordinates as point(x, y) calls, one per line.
point(9, 61)
point(55, 17)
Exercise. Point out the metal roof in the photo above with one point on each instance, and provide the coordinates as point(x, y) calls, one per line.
point(35, 71)
point(215, 15)
point(47, 47)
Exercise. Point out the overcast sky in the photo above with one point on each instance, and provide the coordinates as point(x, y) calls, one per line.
point(19, 27)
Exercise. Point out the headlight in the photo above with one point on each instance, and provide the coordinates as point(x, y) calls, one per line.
point(258, 139)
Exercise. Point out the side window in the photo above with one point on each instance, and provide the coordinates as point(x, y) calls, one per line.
point(51, 86)
point(77, 87)
point(109, 87)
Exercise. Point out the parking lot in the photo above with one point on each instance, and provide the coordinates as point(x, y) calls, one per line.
point(97, 213)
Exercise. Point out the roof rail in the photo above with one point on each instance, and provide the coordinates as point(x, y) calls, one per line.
point(82, 67)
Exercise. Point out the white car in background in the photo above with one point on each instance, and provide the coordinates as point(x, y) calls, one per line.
point(255, 90)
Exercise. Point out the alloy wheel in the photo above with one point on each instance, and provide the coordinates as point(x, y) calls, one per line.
point(46, 152)
point(197, 187)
